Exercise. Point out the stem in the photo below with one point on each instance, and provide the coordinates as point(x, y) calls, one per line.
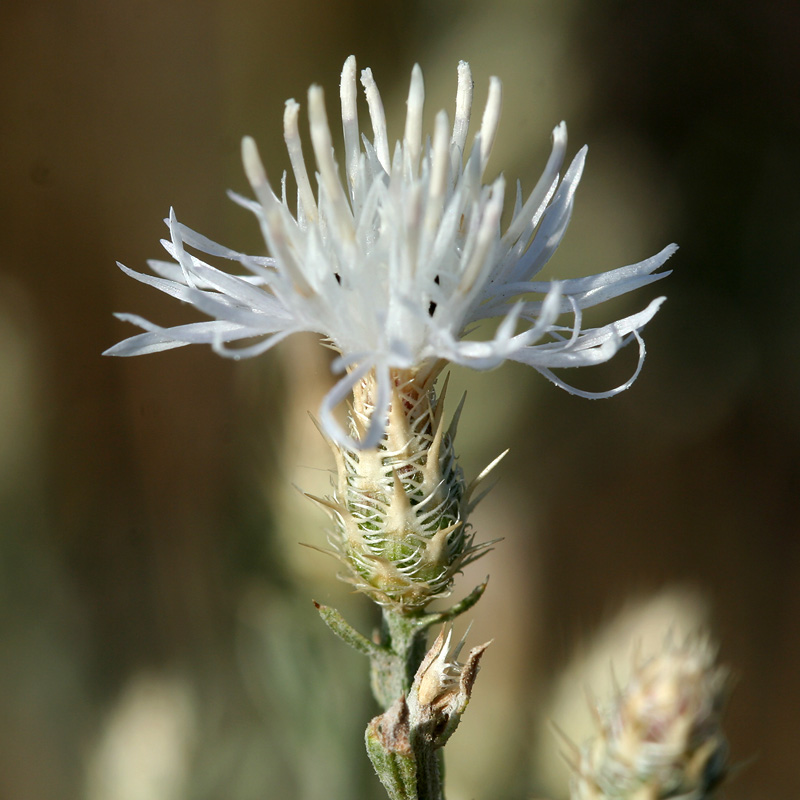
point(405, 751)
point(402, 648)
point(430, 783)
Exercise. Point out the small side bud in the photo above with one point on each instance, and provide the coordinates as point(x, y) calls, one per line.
point(661, 735)
point(402, 742)
point(441, 690)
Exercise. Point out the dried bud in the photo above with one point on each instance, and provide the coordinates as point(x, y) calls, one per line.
point(661, 735)
point(402, 742)
point(441, 690)
point(400, 508)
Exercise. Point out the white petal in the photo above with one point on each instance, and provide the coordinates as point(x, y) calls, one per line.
point(600, 395)
point(415, 103)
point(291, 135)
point(340, 392)
point(157, 338)
point(463, 106)
point(491, 120)
point(553, 225)
point(377, 116)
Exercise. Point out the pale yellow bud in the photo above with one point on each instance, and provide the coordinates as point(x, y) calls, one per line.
point(661, 735)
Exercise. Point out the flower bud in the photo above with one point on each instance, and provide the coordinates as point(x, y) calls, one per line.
point(441, 690)
point(402, 742)
point(661, 736)
point(400, 508)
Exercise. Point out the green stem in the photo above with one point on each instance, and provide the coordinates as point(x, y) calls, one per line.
point(401, 650)
point(402, 647)
point(430, 783)
point(404, 756)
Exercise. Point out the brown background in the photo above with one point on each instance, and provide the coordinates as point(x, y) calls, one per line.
point(148, 562)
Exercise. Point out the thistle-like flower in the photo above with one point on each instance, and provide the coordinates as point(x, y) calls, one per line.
point(400, 509)
point(395, 263)
point(661, 736)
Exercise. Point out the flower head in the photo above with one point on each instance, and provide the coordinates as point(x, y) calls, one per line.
point(400, 509)
point(395, 263)
point(661, 736)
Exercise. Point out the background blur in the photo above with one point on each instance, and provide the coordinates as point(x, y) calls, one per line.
point(157, 638)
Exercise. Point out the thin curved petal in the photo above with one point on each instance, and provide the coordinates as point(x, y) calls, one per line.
point(338, 394)
point(599, 395)
point(158, 338)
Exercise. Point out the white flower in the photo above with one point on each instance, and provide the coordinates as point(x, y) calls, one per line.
point(394, 265)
